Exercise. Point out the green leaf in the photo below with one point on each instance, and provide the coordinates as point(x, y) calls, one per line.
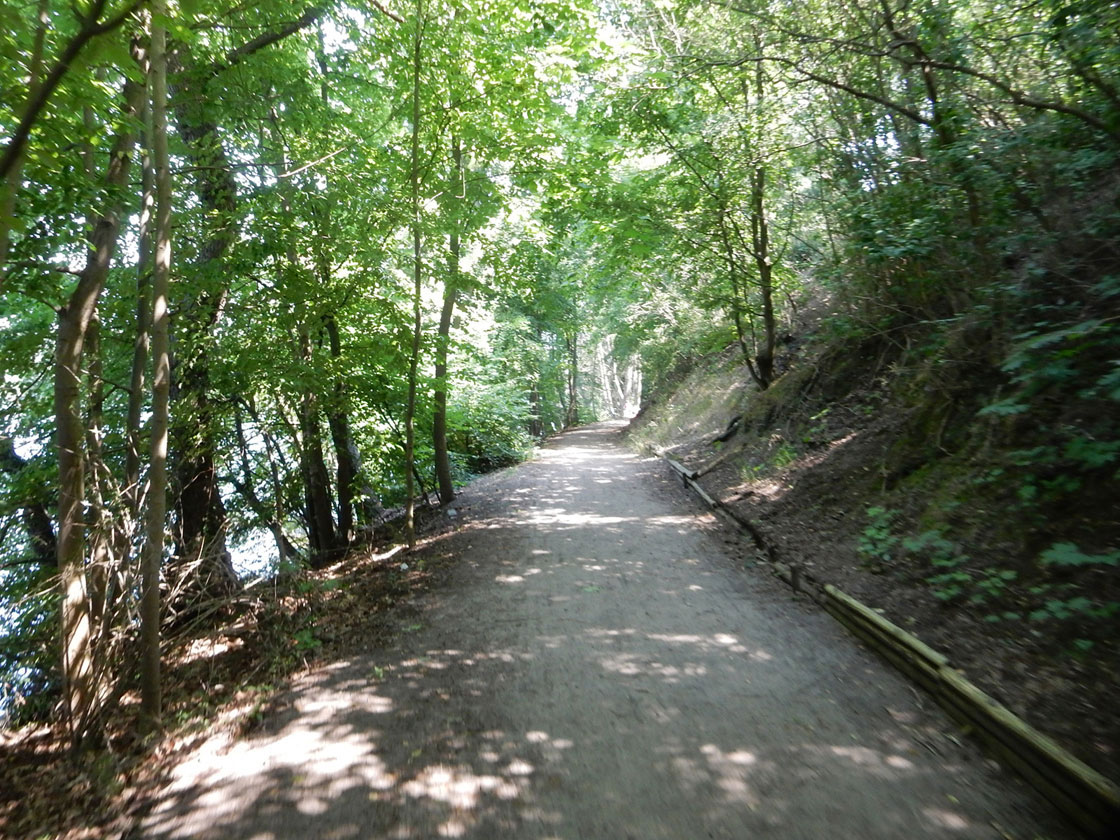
point(1069, 555)
point(1004, 408)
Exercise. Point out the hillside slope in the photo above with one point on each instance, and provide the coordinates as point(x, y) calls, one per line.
point(880, 471)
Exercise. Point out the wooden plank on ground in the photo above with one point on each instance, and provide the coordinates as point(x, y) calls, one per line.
point(682, 469)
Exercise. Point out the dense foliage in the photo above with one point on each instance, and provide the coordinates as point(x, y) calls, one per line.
point(414, 234)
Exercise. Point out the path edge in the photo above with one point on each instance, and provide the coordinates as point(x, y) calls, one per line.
point(1087, 798)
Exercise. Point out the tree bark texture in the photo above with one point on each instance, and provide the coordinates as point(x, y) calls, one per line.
point(347, 455)
point(572, 415)
point(151, 694)
point(79, 690)
point(203, 567)
point(142, 344)
point(317, 483)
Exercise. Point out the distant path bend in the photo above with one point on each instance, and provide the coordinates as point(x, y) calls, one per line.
point(597, 667)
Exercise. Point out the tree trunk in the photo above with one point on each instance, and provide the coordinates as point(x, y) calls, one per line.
point(74, 320)
point(273, 518)
point(443, 340)
point(77, 665)
point(313, 467)
point(346, 452)
point(288, 554)
point(151, 694)
point(536, 425)
point(142, 344)
point(201, 552)
point(536, 422)
point(100, 523)
point(324, 541)
point(90, 26)
point(760, 240)
point(738, 291)
point(203, 568)
point(572, 417)
point(414, 356)
point(760, 234)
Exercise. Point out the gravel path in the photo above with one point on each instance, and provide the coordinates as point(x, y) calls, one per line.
point(596, 665)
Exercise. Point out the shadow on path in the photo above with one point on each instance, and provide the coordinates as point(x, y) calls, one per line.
point(597, 668)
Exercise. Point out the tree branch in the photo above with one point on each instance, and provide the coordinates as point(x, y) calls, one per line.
point(386, 12)
point(90, 29)
point(1024, 99)
point(235, 56)
point(900, 109)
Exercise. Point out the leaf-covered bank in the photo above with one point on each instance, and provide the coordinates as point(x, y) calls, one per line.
point(895, 474)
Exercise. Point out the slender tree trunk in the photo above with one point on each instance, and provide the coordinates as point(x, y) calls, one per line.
point(77, 665)
point(324, 541)
point(443, 341)
point(202, 517)
point(760, 234)
point(289, 556)
point(346, 452)
point(738, 292)
point(246, 487)
point(320, 518)
point(142, 344)
point(760, 238)
point(347, 457)
point(414, 356)
point(633, 386)
point(100, 523)
point(940, 120)
point(317, 487)
point(202, 564)
point(150, 683)
point(439, 398)
point(74, 321)
point(536, 423)
point(572, 417)
point(90, 26)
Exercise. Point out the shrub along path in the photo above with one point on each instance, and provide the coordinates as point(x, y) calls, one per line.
point(594, 664)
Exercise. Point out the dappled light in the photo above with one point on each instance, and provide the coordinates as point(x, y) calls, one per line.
point(773, 488)
point(208, 648)
point(585, 676)
point(352, 330)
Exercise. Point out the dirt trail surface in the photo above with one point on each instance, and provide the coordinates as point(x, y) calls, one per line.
point(596, 665)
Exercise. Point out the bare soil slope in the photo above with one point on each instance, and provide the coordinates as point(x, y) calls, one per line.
point(593, 661)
